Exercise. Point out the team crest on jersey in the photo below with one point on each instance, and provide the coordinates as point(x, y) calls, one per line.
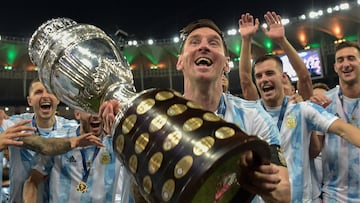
point(290, 121)
point(105, 157)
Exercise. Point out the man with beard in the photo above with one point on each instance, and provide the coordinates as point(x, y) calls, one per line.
point(88, 174)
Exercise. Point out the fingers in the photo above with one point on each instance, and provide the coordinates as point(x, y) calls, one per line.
point(89, 139)
point(272, 18)
point(19, 134)
point(14, 143)
point(320, 100)
point(20, 129)
point(246, 159)
point(24, 122)
point(108, 110)
point(296, 98)
point(260, 180)
point(247, 19)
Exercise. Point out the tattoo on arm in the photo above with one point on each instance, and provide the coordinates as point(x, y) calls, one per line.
point(47, 146)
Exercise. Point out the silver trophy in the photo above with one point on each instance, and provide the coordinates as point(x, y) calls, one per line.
point(175, 150)
point(80, 64)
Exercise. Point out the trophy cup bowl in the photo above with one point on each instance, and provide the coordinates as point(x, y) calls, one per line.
point(80, 64)
point(174, 150)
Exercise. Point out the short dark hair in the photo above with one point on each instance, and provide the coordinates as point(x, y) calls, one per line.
point(185, 32)
point(288, 77)
point(35, 80)
point(267, 57)
point(320, 85)
point(346, 44)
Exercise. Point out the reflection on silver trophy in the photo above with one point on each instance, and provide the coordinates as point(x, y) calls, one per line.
point(175, 151)
point(80, 64)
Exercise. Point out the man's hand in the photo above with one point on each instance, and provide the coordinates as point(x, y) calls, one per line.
point(108, 110)
point(247, 25)
point(3, 116)
point(321, 100)
point(276, 29)
point(260, 180)
point(295, 98)
point(9, 136)
point(84, 140)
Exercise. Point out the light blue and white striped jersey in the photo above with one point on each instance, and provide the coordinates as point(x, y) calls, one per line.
point(298, 121)
point(5, 125)
point(341, 160)
point(251, 117)
point(21, 159)
point(106, 181)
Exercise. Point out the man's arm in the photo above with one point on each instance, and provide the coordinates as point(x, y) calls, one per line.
point(55, 146)
point(3, 116)
point(346, 131)
point(21, 135)
point(316, 143)
point(248, 28)
point(270, 181)
point(31, 186)
point(12, 135)
point(276, 33)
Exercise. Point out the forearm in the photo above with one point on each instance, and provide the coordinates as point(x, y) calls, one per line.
point(248, 88)
point(29, 192)
point(47, 146)
point(315, 145)
point(304, 83)
point(346, 131)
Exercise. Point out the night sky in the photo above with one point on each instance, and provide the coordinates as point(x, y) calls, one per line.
point(140, 20)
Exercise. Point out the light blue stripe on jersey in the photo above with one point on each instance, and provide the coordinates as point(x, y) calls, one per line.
point(251, 117)
point(22, 159)
point(5, 125)
point(341, 160)
point(66, 172)
point(300, 119)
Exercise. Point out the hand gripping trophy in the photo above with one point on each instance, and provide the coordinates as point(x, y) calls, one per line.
point(175, 150)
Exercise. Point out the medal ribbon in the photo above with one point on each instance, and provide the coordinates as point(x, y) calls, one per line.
point(341, 98)
point(86, 169)
point(282, 111)
point(222, 107)
point(37, 129)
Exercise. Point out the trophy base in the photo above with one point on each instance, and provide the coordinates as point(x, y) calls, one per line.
point(178, 152)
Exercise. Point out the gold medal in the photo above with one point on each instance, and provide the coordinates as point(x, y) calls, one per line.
point(81, 187)
point(105, 157)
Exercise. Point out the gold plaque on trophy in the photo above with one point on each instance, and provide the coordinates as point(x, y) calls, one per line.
point(192, 124)
point(164, 95)
point(145, 106)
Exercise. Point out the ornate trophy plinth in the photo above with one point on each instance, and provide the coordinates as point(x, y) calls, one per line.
point(178, 152)
point(175, 150)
